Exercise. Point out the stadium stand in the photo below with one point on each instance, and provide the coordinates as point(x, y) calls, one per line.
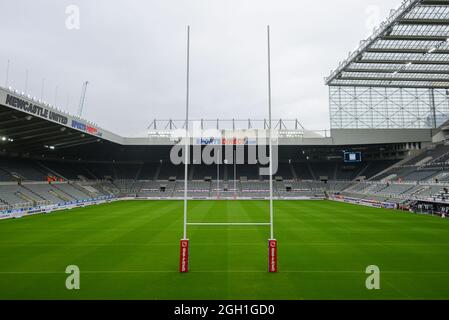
point(149, 171)
point(89, 180)
point(18, 169)
point(23, 182)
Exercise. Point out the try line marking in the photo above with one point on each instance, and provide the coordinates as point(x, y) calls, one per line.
point(221, 271)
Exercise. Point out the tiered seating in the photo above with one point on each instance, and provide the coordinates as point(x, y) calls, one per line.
point(129, 187)
point(442, 159)
point(201, 171)
point(399, 173)
point(148, 171)
point(194, 189)
point(72, 191)
point(324, 169)
point(424, 167)
point(438, 153)
point(408, 182)
point(170, 170)
point(46, 191)
point(433, 153)
point(347, 171)
point(32, 193)
point(249, 171)
point(420, 175)
point(23, 169)
point(255, 188)
point(70, 170)
point(425, 192)
point(105, 187)
point(444, 178)
point(232, 189)
point(302, 171)
point(284, 171)
point(10, 195)
point(126, 170)
point(101, 170)
point(5, 176)
point(359, 187)
point(374, 167)
point(154, 189)
point(395, 190)
point(300, 189)
point(336, 186)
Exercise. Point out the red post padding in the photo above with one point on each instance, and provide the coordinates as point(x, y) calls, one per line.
point(272, 256)
point(184, 256)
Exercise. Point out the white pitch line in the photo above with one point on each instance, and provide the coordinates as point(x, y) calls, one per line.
point(223, 271)
point(150, 244)
point(228, 224)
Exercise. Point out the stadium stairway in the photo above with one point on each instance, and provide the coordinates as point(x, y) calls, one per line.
point(63, 193)
point(191, 173)
point(437, 160)
point(34, 194)
point(114, 172)
point(59, 195)
point(334, 175)
point(309, 168)
point(27, 198)
point(83, 190)
point(158, 171)
point(362, 171)
point(292, 170)
point(139, 171)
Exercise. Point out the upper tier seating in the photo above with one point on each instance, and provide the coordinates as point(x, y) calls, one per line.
point(19, 169)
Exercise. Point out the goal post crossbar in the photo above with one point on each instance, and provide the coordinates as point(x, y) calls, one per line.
point(229, 224)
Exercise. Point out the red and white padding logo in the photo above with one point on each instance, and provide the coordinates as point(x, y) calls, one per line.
point(272, 256)
point(184, 256)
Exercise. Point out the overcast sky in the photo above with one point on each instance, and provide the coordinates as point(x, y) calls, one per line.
point(133, 54)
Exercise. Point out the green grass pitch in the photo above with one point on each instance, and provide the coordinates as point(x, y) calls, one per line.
point(130, 250)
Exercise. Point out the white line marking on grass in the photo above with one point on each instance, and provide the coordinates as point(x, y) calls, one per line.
point(228, 224)
point(224, 271)
point(300, 244)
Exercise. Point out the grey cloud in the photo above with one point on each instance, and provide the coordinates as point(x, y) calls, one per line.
point(133, 54)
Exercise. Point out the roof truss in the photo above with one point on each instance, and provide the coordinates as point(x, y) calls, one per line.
point(410, 49)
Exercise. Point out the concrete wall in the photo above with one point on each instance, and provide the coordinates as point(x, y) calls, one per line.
point(381, 136)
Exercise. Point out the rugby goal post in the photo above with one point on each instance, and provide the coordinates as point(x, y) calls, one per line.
point(185, 243)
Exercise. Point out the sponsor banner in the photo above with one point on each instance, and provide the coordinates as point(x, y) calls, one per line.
point(86, 128)
point(272, 256)
point(184, 256)
point(226, 141)
point(365, 202)
point(35, 109)
point(18, 213)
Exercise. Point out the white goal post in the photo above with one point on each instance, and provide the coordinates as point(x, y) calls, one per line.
point(184, 244)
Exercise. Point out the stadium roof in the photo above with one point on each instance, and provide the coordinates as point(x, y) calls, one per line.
point(410, 50)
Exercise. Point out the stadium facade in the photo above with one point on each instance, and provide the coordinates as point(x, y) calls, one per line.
point(389, 111)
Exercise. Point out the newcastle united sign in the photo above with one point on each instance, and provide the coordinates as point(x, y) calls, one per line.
point(49, 114)
point(35, 109)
